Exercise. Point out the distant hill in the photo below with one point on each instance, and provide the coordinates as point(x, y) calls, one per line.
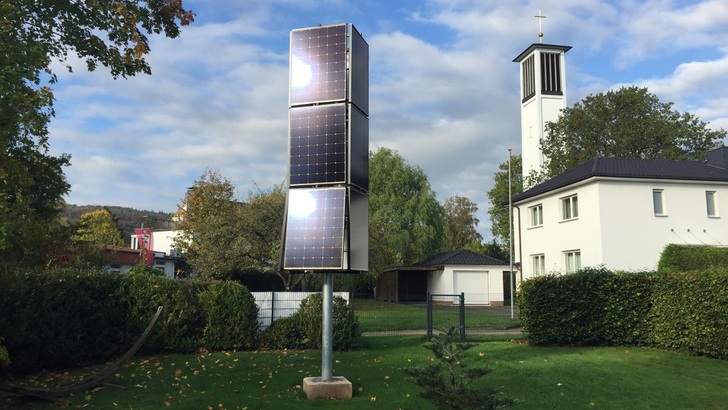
point(128, 218)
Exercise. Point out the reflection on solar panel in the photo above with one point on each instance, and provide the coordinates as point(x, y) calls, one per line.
point(318, 59)
point(318, 144)
point(314, 237)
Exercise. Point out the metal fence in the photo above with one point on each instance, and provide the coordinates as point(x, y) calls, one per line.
point(274, 305)
point(401, 318)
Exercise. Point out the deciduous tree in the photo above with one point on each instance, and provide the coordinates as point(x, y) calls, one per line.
point(498, 196)
point(627, 123)
point(99, 228)
point(405, 218)
point(460, 223)
point(33, 34)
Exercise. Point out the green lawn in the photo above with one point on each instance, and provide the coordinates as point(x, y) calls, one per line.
point(544, 378)
point(387, 316)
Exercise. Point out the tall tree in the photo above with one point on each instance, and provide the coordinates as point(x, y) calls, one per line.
point(33, 34)
point(99, 228)
point(262, 223)
point(498, 196)
point(208, 219)
point(627, 123)
point(222, 236)
point(405, 218)
point(460, 223)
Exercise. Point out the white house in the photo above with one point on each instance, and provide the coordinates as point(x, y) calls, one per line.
point(621, 213)
point(483, 279)
point(613, 212)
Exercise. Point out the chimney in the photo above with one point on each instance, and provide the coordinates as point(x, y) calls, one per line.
point(718, 157)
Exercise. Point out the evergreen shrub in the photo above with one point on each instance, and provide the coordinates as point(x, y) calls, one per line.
point(285, 333)
point(346, 332)
point(231, 316)
point(181, 327)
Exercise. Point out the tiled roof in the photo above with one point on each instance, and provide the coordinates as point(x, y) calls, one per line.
point(630, 168)
point(462, 257)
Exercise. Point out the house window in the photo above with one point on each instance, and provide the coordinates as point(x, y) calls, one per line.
point(658, 202)
point(710, 202)
point(550, 73)
point(529, 78)
point(538, 262)
point(536, 215)
point(569, 208)
point(572, 261)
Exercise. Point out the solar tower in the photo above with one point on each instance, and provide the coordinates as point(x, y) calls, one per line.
point(326, 221)
point(327, 208)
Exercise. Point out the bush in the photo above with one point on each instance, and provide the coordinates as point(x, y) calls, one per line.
point(231, 316)
point(181, 326)
point(59, 318)
point(346, 325)
point(688, 313)
point(285, 333)
point(687, 258)
point(590, 307)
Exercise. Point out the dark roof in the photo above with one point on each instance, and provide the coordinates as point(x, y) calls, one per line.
point(553, 47)
point(630, 168)
point(462, 257)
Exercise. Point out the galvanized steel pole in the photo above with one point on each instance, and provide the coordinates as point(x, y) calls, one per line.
point(327, 334)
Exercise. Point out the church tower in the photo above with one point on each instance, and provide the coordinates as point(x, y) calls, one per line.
point(543, 96)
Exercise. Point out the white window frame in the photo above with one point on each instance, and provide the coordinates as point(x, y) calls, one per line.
point(538, 264)
point(572, 260)
point(711, 204)
point(569, 208)
point(536, 215)
point(658, 202)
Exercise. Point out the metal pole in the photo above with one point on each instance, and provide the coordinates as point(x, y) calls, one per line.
point(510, 231)
point(462, 317)
point(429, 316)
point(327, 334)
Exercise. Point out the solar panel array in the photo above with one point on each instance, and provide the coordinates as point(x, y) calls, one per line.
point(319, 57)
point(326, 225)
point(318, 144)
point(315, 228)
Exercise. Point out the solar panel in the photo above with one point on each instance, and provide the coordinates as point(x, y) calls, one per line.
point(314, 237)
point(318, 64)
point(317, 144)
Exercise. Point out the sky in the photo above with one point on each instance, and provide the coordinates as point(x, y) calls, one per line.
point(444, 90)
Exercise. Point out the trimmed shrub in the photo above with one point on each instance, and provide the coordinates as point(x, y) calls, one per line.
point(590, 307)
point(59, 318)
point(231, 316)
point(180, 328)
point(346, 325)
point(285, 333)
point(689, 312)
point(690, 258)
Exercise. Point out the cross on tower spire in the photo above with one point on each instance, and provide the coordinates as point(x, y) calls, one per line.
point(540, 17)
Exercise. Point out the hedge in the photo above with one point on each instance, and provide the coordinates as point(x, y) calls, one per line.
point(687, 258)
point(678, 311)
point(61, 318)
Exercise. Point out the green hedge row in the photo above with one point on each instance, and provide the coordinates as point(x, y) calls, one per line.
point(687, 258)
point(679, 311)
point(60, 319)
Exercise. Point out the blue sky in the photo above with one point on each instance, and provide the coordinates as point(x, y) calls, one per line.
point(444, 91)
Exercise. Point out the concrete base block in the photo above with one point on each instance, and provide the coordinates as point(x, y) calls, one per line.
point(337, 388)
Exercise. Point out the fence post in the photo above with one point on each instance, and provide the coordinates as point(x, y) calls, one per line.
point(462, 317)
point(429, 316)
point(272, 307)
